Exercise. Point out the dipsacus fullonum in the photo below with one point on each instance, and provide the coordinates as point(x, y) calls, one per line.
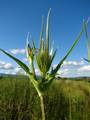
point(43, 57)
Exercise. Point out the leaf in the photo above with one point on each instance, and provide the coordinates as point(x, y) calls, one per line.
point(26, 69)
point(27, 46)
point(20, 63)
point(47, 32)
point(86, 60)
point(52, 58)
point(33, 45)
point(67, 54)
point(41, 35)
point(87, 40)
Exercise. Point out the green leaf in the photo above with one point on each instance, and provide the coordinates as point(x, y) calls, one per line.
point(41, 35)
point(87, 39)
point(27, 47)
point(33, 45)
point(47, 32)
point(20, 63)
point(54, 54)
point(67, 54)
point(52, 58)
point(86, 60)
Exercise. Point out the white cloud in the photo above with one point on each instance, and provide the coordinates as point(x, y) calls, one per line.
point(2, 62)
point(17, 51)
point(16, 70)
point(69, 69)
point(74, 69)
point(63, 71)
point(9, 72)
point(19, 70)
point(25, 59)
point(73, 63)
point(85, 68)
point(5, 66)
point(8, 66)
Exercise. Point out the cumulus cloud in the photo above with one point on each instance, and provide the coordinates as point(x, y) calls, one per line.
point(74, 69)
point(73, 63)
point(18, 70)
point(63, 72)
point(9, 72)
point(5, 66)
point(85, 68)
point(17, 51)
point(25, 59)
point(2, 62)
point(69, 69)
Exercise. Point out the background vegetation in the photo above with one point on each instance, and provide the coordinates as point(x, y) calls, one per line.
point(66, 99)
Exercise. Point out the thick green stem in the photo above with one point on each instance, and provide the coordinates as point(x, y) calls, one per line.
point(42, 107)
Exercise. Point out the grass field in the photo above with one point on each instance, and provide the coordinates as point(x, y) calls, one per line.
point(65, 99)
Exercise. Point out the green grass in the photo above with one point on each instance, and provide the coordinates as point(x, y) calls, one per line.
point(65, 100)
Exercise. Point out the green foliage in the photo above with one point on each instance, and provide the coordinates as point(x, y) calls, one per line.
point(64, 99)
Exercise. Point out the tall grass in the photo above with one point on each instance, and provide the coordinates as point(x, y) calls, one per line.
point(65, 100)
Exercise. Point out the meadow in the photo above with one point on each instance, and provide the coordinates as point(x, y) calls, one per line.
point(66, 99)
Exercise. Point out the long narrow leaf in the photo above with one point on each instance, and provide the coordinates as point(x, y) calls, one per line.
point(54, 54)
point(47, 32)
point(70, 50)
point(20, 63)
point(41, 35)
point(86, 60)
point(87, 40)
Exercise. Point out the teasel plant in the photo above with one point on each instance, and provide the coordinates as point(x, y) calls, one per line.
point(87, 40)
point(43, 58)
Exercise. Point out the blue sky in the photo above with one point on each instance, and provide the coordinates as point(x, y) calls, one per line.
point(18, 17)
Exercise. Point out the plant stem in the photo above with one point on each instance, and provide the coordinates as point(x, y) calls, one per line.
point(42, 107)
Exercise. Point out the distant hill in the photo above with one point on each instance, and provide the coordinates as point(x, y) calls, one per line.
point(58, 78)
